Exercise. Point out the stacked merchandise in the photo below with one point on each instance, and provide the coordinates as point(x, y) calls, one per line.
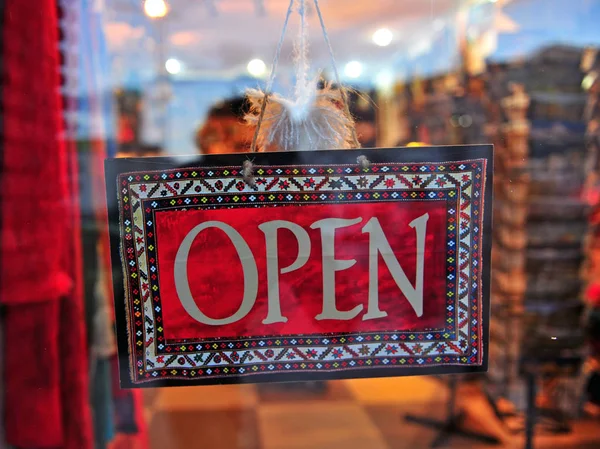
point(591, 274)
point(510, 239)
point(540, 221)
point(556, 227)
point(415, 111)
point(393, 123)
point(438, 112)
point(469, 116)
point(363, 109)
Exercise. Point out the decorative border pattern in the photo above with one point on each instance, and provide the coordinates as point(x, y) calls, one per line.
point(141, 194)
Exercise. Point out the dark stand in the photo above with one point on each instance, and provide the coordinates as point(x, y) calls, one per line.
point(530, 417)
point(534, 415)
point(501, 416)
point(452, 426)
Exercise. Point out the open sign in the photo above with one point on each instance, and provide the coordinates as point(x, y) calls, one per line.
point(314, 271)
point(378, 246)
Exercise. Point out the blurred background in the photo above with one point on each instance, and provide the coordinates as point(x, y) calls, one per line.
point(149, 78)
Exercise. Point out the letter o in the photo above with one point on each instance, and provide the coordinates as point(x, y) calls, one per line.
point(182, 285)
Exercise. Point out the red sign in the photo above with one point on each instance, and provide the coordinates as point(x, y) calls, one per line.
point(311, 272)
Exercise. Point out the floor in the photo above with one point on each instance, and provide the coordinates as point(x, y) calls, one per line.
point(350, 414)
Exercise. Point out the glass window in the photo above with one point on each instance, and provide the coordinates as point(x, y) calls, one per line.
point(86, 80)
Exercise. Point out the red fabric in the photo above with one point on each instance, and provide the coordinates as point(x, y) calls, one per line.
point(140, 419)
point(32, 376)
point(46, 365)
point(216, 276)
point(593, 295)
point(34, 182)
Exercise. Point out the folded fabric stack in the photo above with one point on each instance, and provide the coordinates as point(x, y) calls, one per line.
point(511, 192)
point(591, 274)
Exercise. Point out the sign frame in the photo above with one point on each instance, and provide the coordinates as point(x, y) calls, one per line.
point(438, 156)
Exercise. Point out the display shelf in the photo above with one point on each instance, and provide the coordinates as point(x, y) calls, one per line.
point(540, 227)
point(590, 273)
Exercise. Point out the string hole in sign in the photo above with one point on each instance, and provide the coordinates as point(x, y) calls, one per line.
point(363, 162)
point(248, 173)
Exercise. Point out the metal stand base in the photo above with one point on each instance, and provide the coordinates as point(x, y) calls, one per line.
point(452, 426)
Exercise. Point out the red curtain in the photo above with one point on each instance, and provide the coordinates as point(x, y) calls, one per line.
point(46, 366)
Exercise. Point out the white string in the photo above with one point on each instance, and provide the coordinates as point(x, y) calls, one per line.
point(269, 85)
point(328, 42)
point(302, 61)
point(335, 71)
point(271, 80)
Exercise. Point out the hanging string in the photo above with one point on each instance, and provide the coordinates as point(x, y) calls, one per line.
point(335, 71)
point(271, 80)
point(302, 57)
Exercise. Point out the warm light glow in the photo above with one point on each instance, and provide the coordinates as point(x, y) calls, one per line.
point(383, 37)
point(257, 68)
point(155, 9)
point(173, 66)
point(353, 69)
point(384, 80)
point(589, 80)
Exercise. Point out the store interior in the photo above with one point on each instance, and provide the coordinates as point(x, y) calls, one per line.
point(168, 78)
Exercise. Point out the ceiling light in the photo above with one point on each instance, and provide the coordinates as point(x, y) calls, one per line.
point(383, 37)
point(155, 9)
point(173, 66)
point(353, 69)
point(257, 68)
